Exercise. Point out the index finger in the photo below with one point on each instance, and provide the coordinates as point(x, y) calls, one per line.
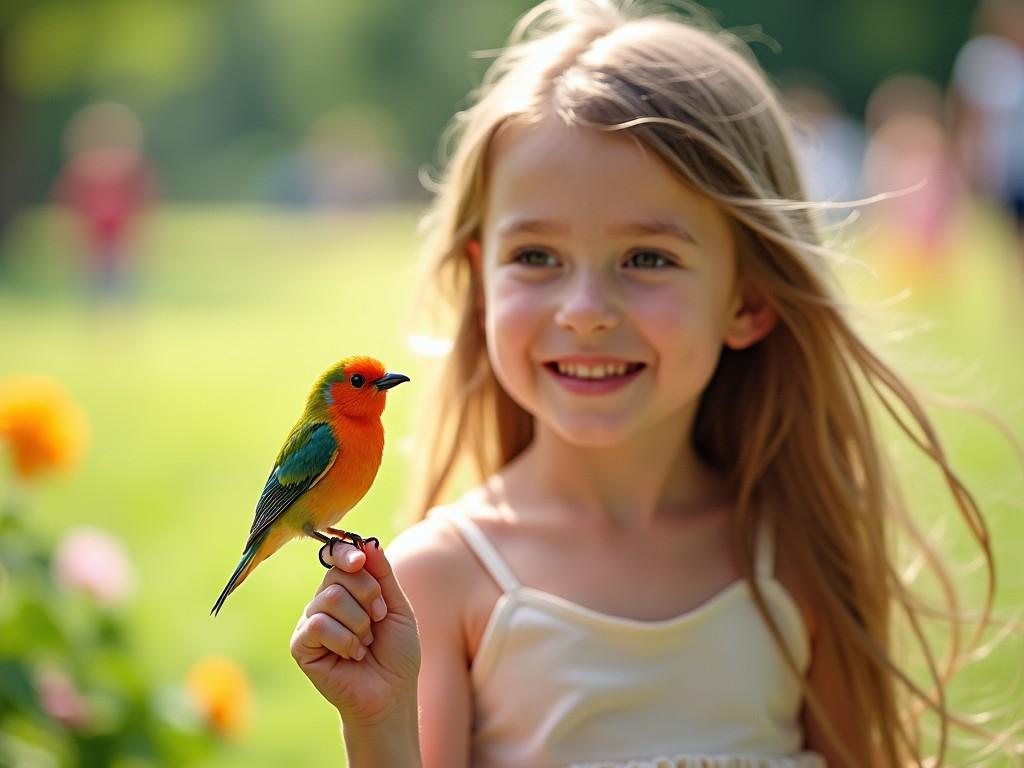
point(343, 556)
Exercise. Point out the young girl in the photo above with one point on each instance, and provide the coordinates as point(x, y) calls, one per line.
point(681, 550)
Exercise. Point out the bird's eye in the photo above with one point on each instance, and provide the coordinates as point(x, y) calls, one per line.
point(357, 381)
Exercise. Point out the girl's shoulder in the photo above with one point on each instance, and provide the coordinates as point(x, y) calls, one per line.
point(434, 542)
point(432, 548)
point(443, 579)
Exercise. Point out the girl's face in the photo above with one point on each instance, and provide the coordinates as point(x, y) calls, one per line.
point(608, 285)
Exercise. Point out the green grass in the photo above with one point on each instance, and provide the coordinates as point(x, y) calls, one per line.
point(191, 390)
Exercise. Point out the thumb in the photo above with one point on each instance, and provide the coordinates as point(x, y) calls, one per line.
point(378, 566)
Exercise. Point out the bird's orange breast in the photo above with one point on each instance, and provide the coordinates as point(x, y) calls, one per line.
point(360, 448)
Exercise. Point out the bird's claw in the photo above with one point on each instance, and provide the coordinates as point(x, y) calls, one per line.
point(354, 539)
point(329, 546)
point(361, 543)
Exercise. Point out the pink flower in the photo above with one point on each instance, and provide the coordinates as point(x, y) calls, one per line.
point(61, 699)
point(95, 562)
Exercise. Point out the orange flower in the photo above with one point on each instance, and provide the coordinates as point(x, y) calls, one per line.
point(220, 690)
point(44, 427)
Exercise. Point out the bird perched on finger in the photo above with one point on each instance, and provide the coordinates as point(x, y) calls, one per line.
point(327, 464)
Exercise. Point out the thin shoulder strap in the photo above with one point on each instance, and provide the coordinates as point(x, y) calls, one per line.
point(482, 547)
point(764, 565)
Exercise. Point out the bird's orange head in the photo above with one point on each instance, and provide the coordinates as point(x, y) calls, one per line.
point(355, 387)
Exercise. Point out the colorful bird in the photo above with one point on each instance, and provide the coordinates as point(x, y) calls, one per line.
point(327, 465)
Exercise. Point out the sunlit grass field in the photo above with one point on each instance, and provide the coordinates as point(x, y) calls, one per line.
point(191, 387)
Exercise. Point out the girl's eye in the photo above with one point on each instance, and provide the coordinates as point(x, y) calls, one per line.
point(648, 260)
point(535, 257)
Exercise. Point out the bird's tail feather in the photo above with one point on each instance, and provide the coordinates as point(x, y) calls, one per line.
point(241, 571)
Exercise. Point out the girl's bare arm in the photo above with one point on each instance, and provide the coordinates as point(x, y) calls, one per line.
point(826, 682)
point(431, 563)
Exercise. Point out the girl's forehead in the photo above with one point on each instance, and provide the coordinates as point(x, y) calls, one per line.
point(553, 169)
point(550, 137)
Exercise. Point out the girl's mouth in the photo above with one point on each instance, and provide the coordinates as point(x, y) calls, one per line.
point(593, 377)
point(595, 372)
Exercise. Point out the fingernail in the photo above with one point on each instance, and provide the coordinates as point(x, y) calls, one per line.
point(368, 639)
point(352, 556)
point(379, 609)
point(360, 653)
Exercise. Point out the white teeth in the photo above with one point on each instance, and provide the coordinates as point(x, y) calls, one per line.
point(591, 372)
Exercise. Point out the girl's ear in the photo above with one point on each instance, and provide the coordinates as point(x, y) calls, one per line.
point(475, 257)
point(473, 249)
point(752, 319)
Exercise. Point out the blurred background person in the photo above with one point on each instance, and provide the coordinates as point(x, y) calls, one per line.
point(345, 162)
point(909, 158)
point(830, 143)
point(106, 183)
point(987, 96)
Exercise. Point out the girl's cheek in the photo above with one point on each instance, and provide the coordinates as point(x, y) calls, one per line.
point(677, 328)
point(664, 319)
point(512, 303)
point(508, 314)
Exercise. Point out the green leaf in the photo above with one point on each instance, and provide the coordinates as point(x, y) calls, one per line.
point(17, 692)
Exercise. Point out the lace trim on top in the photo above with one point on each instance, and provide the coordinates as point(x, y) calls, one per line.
point(801, 760)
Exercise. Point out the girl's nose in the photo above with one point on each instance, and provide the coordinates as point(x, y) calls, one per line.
point(587, 306)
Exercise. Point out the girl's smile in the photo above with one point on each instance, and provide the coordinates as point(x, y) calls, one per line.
point(593, 375)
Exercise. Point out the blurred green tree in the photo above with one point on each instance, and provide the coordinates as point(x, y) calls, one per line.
point(224, 89)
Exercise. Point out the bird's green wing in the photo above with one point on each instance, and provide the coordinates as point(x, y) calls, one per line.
point(307, 455)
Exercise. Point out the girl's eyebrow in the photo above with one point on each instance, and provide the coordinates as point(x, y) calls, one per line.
point(657, 226)
point(530, 227)
point(654, 226)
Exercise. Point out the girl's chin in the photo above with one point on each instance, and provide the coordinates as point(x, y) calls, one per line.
point(594, 433)
point(625, 430)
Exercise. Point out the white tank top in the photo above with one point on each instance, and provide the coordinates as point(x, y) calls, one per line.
point(557, 684)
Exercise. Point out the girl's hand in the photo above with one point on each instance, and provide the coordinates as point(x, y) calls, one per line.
point(357, 640)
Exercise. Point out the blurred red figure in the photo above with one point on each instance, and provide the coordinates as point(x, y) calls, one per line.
point(107, 183)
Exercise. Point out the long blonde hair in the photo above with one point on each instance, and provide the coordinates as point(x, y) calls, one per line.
point(789, 420)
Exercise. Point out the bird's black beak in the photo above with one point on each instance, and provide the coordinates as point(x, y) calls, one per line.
point(389, 380)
